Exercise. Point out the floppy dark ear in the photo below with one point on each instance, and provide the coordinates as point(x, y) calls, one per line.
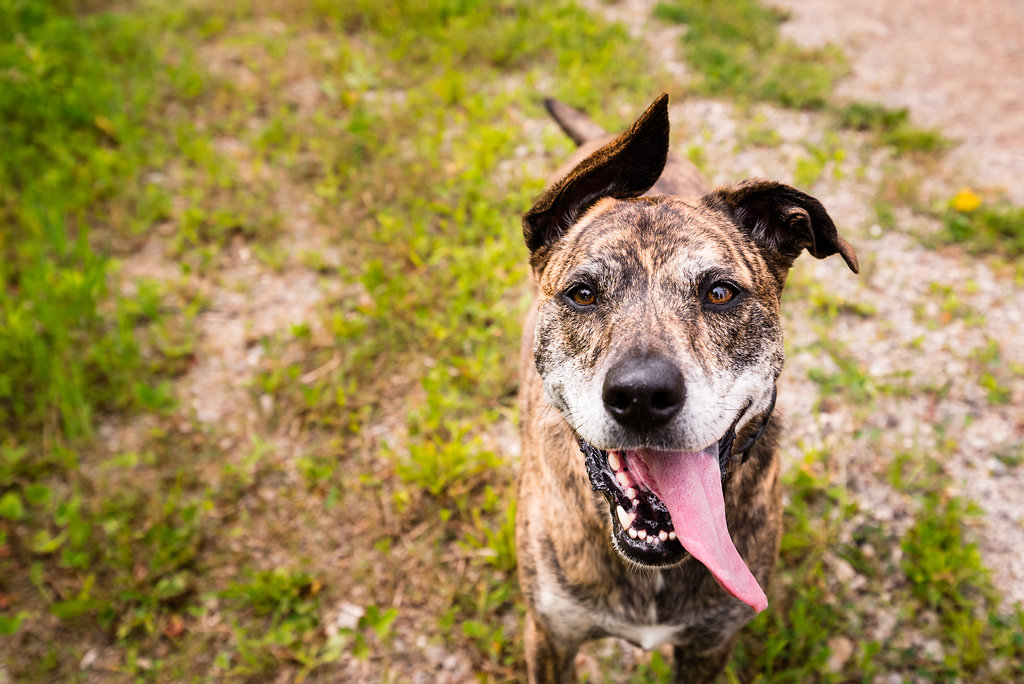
point(626, 167)
point(782, 220)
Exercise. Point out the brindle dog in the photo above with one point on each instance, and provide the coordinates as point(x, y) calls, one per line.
point(649, 497)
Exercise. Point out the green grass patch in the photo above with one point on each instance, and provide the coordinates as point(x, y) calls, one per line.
point(947, 578)
point(850, 379)
point(829, 154)
point(789, 642)
point(74, 94)
point(79, 95)
point(893, 128)
point(291, 630)
point(937, 585)
point(736, 49)
point(992, 227)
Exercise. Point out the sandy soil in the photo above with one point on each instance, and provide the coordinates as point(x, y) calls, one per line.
point(958, 66)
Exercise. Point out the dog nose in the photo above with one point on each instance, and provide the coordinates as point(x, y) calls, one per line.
point(643, 392)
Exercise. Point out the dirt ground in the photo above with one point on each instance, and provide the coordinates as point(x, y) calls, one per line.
point(958, 66)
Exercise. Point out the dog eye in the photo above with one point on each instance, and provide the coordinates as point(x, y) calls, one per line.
point(721, 293)
point(581, 295)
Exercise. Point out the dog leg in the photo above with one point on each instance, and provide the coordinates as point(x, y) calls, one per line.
point(547, 661)
point(697, 668)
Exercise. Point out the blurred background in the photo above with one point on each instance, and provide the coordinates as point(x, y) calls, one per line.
point(262, 285)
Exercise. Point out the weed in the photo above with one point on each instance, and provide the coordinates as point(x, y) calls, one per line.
point(1012, 457)
point(373, 620)
point(850, 378)
point(445, 461)
point(912, 472)
point(697, 156)
point(810, 168)
point(496, 544)
point(907, 139)
point(291, 629)
point(824, 304)
point(657, 669)
point(986, 227)
point(992, 372)
point(758, 134)
point(885, 213)
point(864, 116)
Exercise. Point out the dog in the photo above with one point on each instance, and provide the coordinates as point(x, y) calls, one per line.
point(649, 502)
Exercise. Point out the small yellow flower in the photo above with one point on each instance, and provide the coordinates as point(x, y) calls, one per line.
point(965, 201)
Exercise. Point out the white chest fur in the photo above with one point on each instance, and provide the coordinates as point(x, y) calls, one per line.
point(571, 620)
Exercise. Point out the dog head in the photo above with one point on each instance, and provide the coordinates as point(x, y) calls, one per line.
point(658, 333)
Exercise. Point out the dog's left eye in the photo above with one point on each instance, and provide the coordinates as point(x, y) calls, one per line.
point(720, 293)
point(583, 296)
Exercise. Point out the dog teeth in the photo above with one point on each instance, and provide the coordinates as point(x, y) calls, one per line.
point(613, 460)
point(623, 478)
point(625, 519)
point(633, 533)
point(672, 534)
point(631, 493)
point(663, 535)
point(642, 533)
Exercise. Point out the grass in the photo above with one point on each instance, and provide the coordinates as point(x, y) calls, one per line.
point(737, 51)
point(352, 510)
point(77, 96)
point(74, 131)
point(140, 574)
point(893, 128)
point(934, 574)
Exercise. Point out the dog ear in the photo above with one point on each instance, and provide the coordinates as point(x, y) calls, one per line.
point(782, 220)
point(626, 167)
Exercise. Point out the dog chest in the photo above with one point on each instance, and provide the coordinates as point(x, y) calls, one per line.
point(574, 619)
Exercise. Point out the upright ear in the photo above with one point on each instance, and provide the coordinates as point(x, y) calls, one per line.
point(782, 220)
point(626, 167)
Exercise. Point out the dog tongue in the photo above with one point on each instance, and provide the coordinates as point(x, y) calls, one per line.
point(690, 484)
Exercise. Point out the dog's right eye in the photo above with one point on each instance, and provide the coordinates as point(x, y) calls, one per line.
point(721, 293)
point(582, 295)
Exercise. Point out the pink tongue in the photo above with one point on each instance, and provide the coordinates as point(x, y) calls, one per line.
point(690, 484)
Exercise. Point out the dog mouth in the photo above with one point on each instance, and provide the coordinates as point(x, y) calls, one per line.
point(667, 505)
point(641, 523)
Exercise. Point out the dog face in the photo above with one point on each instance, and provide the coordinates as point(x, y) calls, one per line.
point(658, 334)
point(656, 328)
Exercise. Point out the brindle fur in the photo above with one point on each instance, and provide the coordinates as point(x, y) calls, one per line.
point(648, 253)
